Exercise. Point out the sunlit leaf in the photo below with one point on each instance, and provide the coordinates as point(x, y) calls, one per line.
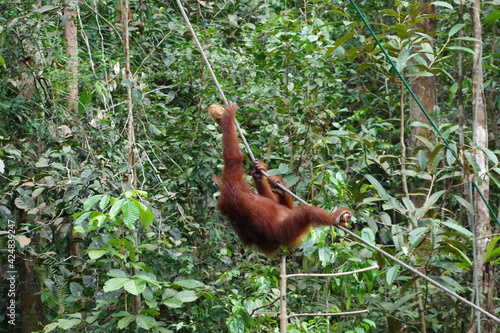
point(173, 303)
point(135, 286)
point(115, 284)
point(96, 254)
point(116, 208)
point(442, 4)
point(453, 225)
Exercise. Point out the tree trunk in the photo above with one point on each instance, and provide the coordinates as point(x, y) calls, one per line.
point(132, 177)
point(424, 87)
point(31, 309)
point(484, 277)
point(70, 37)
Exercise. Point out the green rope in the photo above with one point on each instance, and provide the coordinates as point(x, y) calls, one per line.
point(415, 98)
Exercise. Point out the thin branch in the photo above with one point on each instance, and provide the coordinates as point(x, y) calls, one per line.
point(335, 274)
point(265, 306)
point(328, 314)
point(104, 19)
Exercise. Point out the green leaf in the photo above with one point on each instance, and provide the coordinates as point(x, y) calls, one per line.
point(491, 155)
point(104, 202)
point(84, 100)
point(368, 235)
point(173, 303)
point(463, 255)
point(453, 225)
point(492, 253)
point(397, 237)
point(435, 158)
point(145, 322)
point(402, 59)
point(422, 160)
point(409, 205)
point(456, 28)
point(100, 218)
point(337, 43)
point(117, 273)
point(151, 279)
point(451, 155)
point(135, 286)
point(466, 204)
point(472, 161)
point(116, 208)
point(82, 217)
point(145, 214)
point(136, 96)
point(89, 203)
point(380, 189)
point(391, 12)
point(461, 48)
point(24, 202)
point(130, 213)
point(392, 274)
point(125, 321)
point(371, 323)
point(186, 296)
point(115, 284)
point(442, 4)
point(417, 235)
point(493, 16)
point(96, 254)
point(429, 203)
point(237, 324)
point(190, 284)
point(44, 9)
point(67, 324)
point(128, 83)
point(50, 327)
point(469, 39)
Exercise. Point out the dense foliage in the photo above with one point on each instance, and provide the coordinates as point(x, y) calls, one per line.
point(319, 103)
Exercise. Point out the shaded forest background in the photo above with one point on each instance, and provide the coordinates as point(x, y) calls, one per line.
point(107, 155)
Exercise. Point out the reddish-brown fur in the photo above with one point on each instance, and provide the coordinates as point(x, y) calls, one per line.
point(267, 220)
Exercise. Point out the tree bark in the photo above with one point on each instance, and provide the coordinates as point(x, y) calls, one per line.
point(484, 277)
point(424, 87)
point(31, 309)
point(70, 37)
point(132, 177)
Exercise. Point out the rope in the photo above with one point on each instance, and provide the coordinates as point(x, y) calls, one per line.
point(223, 96)
point(416, 272)
point(413, 270)
point(415, 98)
point(210, 70)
